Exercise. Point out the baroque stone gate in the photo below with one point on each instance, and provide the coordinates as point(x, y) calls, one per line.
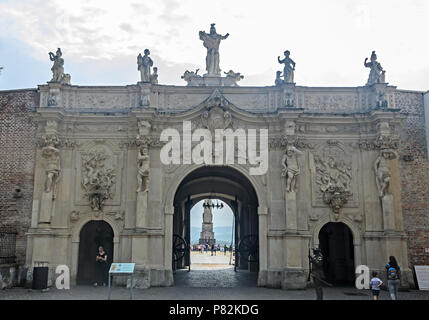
point(332, 157)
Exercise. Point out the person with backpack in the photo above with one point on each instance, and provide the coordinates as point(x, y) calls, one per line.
point(393, 277)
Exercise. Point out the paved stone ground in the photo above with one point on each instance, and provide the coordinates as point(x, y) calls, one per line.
point(205, 261)
point(210, 278)
point(188, 293)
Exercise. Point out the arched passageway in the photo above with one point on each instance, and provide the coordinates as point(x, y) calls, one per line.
point(93, 235)
point(230, 186)
point(336, 244)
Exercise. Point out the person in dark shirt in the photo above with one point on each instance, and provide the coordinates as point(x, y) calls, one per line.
point(100, 266)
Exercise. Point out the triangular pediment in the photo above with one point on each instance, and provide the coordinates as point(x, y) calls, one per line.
point(216, 99)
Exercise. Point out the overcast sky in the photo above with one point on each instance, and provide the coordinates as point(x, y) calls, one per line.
point(328, 40)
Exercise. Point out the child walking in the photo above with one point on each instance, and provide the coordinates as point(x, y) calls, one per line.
point(375, 285)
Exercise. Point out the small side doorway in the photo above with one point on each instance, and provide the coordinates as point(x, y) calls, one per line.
point(93, 235)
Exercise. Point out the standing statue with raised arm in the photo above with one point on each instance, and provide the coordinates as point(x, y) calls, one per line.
point(211, 41)
point(57, 69)
point(377, 74)
point(144, 63)
point(289, 68)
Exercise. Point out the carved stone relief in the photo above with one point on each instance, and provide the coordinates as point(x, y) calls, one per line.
point(332, 169)
point(97, 179)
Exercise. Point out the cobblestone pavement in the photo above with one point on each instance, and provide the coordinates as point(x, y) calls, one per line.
point(210, 278)
point(204, 285)
point(187, 293)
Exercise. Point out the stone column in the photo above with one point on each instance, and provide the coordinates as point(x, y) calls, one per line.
point(141, 210)
point(168, 244)
point(388, 212)
point(263, 243)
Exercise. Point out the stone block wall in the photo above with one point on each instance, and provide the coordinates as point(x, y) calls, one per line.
point(17, 152)
point(414, 176)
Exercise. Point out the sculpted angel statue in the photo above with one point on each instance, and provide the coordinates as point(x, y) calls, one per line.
point(144, 63)
point(289, 68)
point(211, 41)
point(376, 74)
point(291, 167)
point(143, 169)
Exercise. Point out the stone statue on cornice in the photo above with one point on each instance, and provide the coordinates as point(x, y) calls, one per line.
point(289, 68)
point(376, 74)
point(211, 41)
point(57, 69)
point(144, 63)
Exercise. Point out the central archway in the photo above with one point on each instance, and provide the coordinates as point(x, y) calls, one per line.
point(232, 187)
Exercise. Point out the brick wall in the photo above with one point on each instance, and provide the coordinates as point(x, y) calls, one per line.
point(17, 151)
point(414, 176)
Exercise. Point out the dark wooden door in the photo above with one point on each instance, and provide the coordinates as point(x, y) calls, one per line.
point(336, 244)
point(93, 235)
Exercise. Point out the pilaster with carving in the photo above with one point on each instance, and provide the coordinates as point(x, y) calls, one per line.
point(143, 171)
point(51, 156)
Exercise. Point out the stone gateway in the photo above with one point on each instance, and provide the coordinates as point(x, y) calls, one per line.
point(91, 174)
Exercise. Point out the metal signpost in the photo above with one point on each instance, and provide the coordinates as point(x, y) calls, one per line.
point(121, 269)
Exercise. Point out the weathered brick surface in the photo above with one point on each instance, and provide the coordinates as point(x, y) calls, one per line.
point(17, 151)
point(414, 176)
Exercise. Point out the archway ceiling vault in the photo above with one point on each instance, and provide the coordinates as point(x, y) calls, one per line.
point(222, 183)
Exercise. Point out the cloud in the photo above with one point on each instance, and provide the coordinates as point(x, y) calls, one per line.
point(127, 27)
point(327, 40)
